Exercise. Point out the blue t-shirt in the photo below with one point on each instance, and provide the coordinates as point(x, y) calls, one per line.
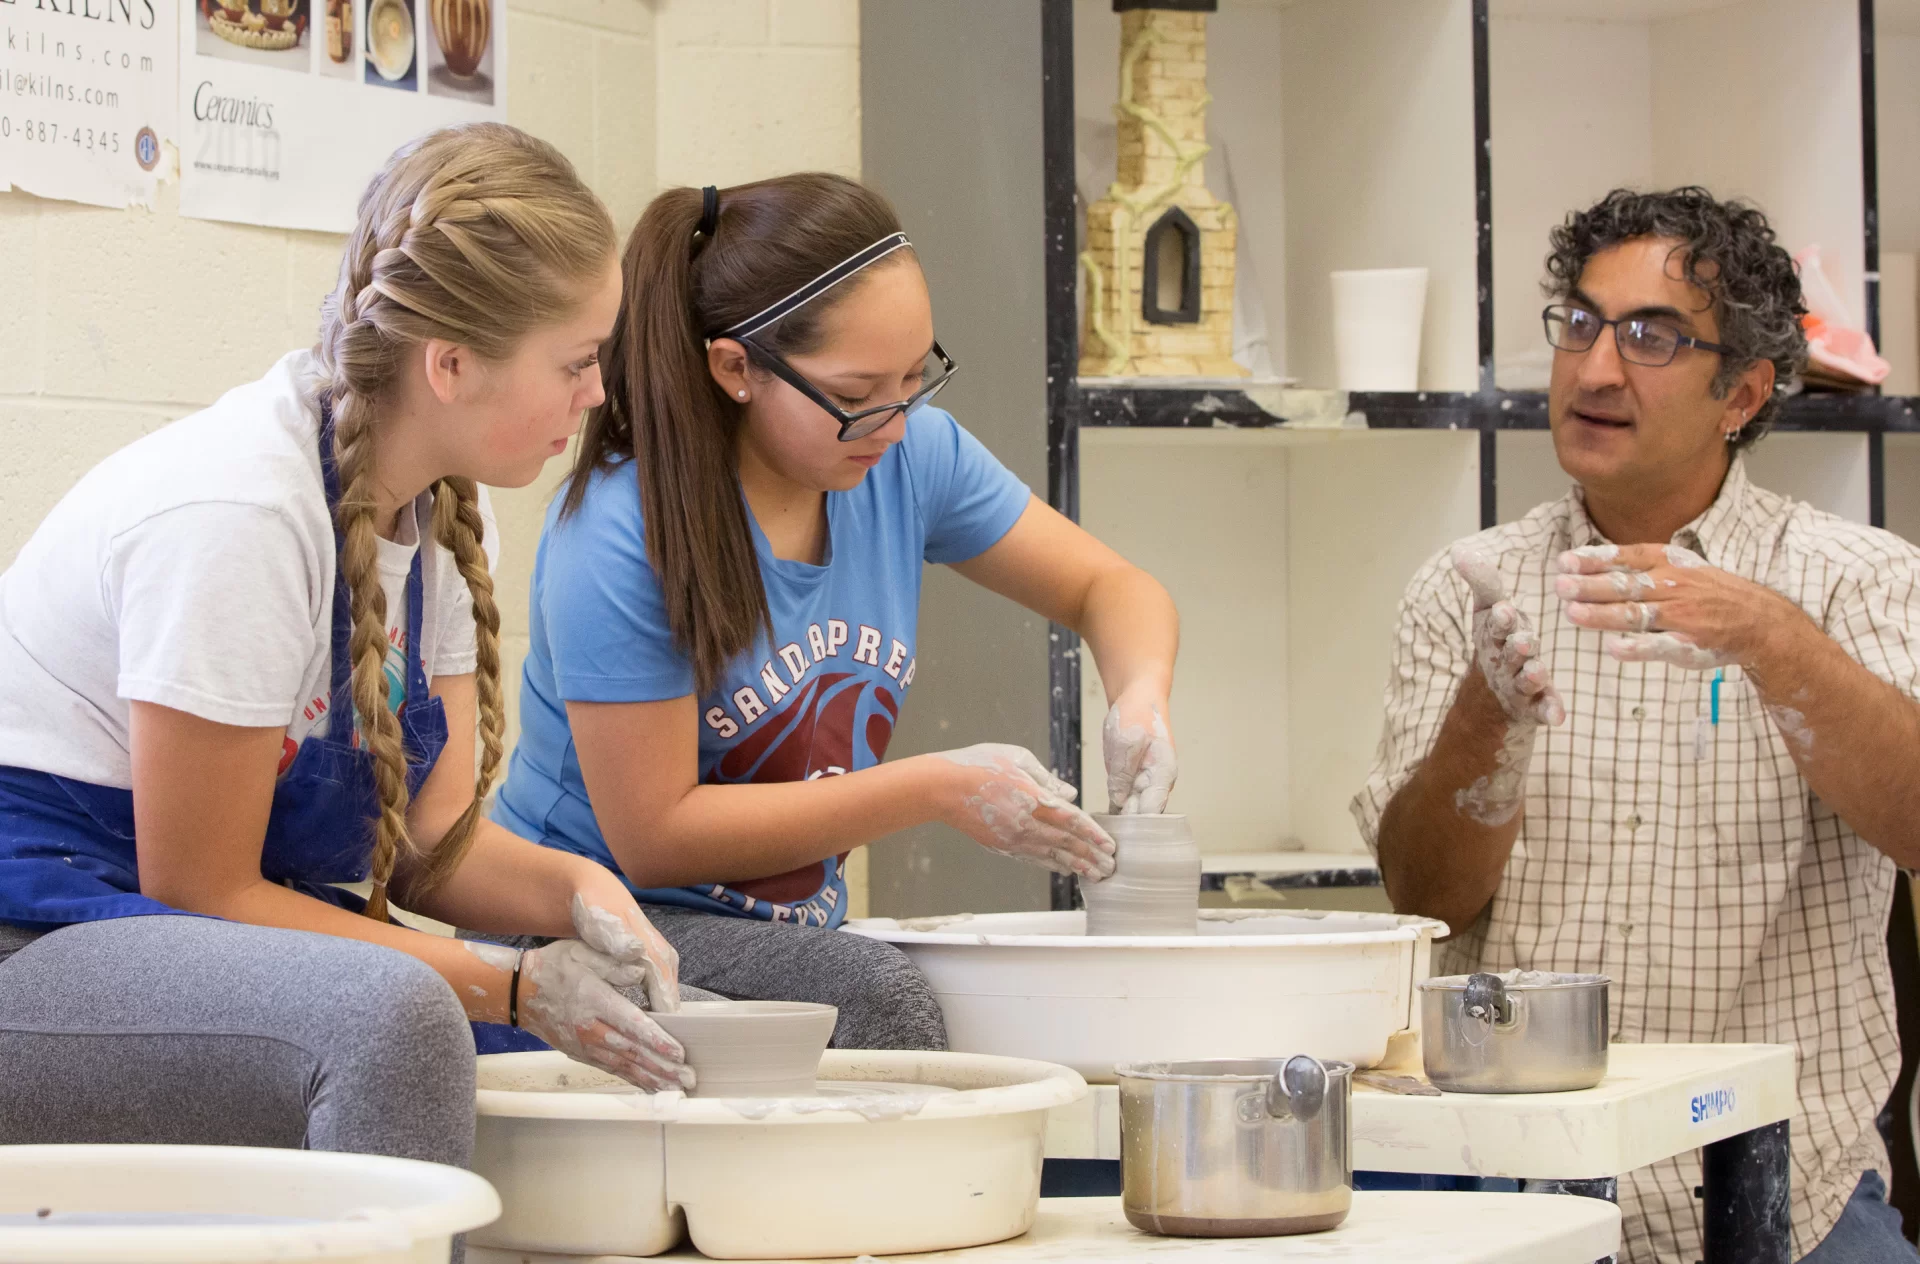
point(820, 700)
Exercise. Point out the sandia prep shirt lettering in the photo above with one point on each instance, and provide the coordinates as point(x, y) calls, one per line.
point(818, 700)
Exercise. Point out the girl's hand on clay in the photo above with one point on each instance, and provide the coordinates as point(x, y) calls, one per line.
point(608, 921)
point(1504, 646)
point(1007, 801)
point(1141, 766)
point(569, 997)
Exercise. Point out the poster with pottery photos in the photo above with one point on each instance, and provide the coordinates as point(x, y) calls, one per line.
point(460, 54)
point(288, 107)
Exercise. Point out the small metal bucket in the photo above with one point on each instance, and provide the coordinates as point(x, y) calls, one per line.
point(1522, 1032)
point(1236, 1147)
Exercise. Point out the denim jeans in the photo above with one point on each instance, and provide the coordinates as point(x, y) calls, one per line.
point(1868, 1231)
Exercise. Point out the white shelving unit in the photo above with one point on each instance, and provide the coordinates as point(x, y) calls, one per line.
point(1344, 133)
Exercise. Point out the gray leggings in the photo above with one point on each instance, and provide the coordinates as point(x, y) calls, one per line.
point(190, 1031)
point(884, 1000)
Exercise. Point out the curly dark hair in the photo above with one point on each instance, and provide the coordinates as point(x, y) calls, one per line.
point(1729, 253)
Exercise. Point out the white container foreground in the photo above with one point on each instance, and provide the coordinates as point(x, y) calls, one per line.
point(1249, 985)
point(230, 1205)
point(589, 1166)
point(1377, 314)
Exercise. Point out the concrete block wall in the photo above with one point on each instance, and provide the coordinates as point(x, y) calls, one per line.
point(113, 323)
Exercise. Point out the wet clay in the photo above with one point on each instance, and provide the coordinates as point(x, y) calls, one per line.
point(752, 1048)
point(1155, 887)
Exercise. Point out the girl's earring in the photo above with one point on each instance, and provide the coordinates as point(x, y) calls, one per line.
point(743, 394)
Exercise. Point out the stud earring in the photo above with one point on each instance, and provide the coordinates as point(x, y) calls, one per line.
point(743, 394)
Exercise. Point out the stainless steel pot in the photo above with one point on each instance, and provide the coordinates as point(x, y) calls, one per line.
point(1235, 1147)
point(1521, 1032)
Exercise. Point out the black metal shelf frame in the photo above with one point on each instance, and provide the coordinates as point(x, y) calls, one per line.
point(1200, 408)
point(1072, 405)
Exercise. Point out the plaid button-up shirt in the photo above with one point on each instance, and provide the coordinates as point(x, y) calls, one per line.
point(1687, 860)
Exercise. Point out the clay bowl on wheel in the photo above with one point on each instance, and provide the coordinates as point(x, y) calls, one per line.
point(752, 1048)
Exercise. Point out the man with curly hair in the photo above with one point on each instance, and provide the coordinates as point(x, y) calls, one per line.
point(1665, 728)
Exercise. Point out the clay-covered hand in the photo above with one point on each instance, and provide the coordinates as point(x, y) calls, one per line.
point(1504, 645)
point(1008, 801)
point(608, 921)
point(1665, 604)
point(570, 998)
point(1141, 766)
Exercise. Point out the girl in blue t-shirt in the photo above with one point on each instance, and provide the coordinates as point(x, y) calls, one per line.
point(726, 599)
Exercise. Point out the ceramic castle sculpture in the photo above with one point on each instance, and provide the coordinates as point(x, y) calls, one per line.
point(1160, 247)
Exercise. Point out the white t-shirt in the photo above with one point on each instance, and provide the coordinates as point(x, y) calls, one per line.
point(194, 568)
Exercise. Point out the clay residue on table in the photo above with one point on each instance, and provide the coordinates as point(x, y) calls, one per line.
point(934, 925)
point(873, 1107)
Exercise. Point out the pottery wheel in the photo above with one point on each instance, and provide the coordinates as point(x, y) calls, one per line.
point(832, 1088)
point(1036, 985)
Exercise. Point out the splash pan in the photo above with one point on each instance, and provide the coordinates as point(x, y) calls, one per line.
point(944, 1149)
point(1246, 984)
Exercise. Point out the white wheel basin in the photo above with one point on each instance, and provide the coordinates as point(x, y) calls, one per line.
point(230, 1205)
point(901, 1152)
point(1249, 983)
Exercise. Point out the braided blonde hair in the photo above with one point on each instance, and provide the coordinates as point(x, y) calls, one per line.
point(475, 235)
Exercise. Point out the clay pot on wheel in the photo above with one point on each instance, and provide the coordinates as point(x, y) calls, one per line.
point(463, 28)
point(1155, 887)
point(752, 1048)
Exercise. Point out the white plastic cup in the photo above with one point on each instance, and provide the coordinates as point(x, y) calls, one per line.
point(1377, 313)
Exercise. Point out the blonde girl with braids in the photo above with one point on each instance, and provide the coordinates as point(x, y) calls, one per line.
point(726, 603)
point(255, 655)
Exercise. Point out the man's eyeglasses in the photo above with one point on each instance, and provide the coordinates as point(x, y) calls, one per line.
point(1641, 340)
point(936, 373)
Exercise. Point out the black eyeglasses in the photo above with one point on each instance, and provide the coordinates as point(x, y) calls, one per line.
point(934, 375)
point(1640, 340)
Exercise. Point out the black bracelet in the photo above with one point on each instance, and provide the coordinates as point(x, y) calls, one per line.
point(513, 992)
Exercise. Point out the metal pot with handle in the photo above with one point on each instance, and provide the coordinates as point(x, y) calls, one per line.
point(1520, 1032)
point(1236, 1147)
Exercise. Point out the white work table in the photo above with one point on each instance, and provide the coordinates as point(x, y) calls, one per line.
point(1431, 1228)
point(1657, 1101)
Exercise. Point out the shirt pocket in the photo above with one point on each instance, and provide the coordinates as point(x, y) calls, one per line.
point(1752, 806)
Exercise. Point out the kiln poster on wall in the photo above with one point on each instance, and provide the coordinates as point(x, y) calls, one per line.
point(287, 107)
point(87, 98)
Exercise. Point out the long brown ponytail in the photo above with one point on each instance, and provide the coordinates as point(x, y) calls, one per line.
point(663, 407)
point(476, 235)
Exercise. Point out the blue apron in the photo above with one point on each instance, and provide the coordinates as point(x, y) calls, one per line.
point(67, 850)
